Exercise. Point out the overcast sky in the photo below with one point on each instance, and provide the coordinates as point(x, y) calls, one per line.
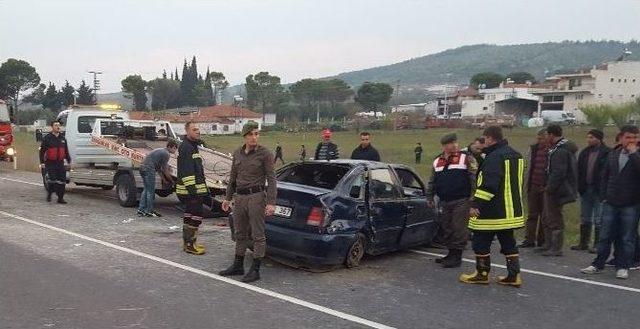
point(293, 39)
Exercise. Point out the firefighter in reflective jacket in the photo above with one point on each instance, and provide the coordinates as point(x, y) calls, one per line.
point(191, 188)
point(496, 209)
point(53, 152)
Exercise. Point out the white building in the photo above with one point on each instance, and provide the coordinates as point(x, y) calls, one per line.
point(506, 99)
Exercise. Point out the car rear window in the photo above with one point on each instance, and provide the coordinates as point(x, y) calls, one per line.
point(314, 174)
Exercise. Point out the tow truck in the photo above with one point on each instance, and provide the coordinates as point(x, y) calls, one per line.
point(7, 152)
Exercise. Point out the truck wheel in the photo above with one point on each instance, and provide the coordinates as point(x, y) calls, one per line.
point(164, 193)
point(356, 252)
point(126, 190)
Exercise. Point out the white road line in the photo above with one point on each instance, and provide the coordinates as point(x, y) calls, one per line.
point(550, 275)
point(21, 181)
point(259, 290)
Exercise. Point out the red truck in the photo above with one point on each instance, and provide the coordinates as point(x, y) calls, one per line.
point(6, 134)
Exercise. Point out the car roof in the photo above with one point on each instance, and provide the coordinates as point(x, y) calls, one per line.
point(354, 163)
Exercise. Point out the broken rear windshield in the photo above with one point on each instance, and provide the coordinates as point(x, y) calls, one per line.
point(314, 174)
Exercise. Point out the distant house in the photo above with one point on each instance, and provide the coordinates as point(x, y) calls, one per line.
point(212, 120)
point(508, 98)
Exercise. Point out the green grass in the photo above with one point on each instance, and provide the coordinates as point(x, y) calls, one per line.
point(394, 147)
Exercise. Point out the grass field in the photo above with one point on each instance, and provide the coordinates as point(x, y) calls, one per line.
point(394, 147)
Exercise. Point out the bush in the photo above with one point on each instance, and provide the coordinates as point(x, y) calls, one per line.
point(620, 115)
point(597, 115)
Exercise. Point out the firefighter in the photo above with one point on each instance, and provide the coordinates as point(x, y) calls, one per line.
point(252, 167)
point(453, 179)
point(496, 209)
point(53, 152)
point(191, 188)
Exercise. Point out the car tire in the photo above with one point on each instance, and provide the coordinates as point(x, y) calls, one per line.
point(356, 252)
point(126, 191)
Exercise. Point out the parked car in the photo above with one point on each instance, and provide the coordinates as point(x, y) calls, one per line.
point(331, 213)
point(558, 117)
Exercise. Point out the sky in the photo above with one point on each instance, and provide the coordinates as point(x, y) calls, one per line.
point(293, 39)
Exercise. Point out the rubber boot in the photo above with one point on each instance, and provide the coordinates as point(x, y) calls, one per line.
point(513, 277)
point(188, 240)
point(585, 234)
point(455, 260)
point(237, 268)
point(547, 242)
point(254, 271)
point(596, 236)
point(481, 274)
point(557, 240)
point(196, 244)
point(442, 259)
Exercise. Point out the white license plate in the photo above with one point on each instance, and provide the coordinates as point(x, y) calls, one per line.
point(283, 211)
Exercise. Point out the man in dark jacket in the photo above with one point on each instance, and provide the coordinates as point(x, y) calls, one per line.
point(620, 181)
point(496, 209)
point(191, 188)
point(365, 151)
point(53, 153)
point(326, 150)
point(591, 160)
point(561, 188)
point(418, 152)
point(453, 180)
point(536, 182)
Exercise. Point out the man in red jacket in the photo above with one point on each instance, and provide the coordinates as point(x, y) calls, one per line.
point(53, 152)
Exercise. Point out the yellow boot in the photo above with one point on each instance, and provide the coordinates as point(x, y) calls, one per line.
point(481, 274)
point(513, 277)
point(188, 240)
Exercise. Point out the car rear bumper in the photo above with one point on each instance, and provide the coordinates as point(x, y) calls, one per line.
point(308, 248)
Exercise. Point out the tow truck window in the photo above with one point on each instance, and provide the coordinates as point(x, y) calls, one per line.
point(314, 174)
point(86, 123)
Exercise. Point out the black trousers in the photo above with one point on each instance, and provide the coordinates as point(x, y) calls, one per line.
point(482, 242)
point(193, 209)
point(56, 178)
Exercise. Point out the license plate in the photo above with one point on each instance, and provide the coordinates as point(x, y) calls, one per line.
point(283, 211)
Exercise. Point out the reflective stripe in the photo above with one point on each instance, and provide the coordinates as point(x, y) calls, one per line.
point(520, 182)
point(196, 155)
point(484, 195)
point(479, 181)
point(482, 224)
point(189, 183)
point(508, 197)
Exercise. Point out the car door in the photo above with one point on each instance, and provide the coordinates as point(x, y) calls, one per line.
point(420, 225)
point(387, 210)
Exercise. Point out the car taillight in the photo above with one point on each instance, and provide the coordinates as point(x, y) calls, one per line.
point(316, 216)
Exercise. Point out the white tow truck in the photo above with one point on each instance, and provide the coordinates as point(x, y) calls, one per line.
point(107, 148)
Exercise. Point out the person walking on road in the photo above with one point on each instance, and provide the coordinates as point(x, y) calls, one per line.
point(418, 152)
point(53, 153)
point(561, 189)
point(453, 180)
point(496, 209)
point(191, 188)
point(365, 151)
point(252, 167)
point(303, 153)
point(157, 161)
point(278, 154)
point(621, 205)
point(591, 161)
point(536, 182)
point(326, 150)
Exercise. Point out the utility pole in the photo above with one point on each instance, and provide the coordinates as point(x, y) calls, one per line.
point(96, 84)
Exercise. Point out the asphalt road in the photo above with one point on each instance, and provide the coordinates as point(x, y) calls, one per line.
point(94, 264)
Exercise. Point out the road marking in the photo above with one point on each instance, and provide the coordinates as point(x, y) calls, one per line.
point(550, 275)
point(286, 298)
point(21, 181)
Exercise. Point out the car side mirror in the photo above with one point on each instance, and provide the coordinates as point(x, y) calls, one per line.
point(355, 192)
point(412, 192)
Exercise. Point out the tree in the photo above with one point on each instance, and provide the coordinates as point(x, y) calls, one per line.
point(36, 96)
point(264, 91)
point(136, 86)
point(597, 115)
point(85, 95)
point(486, 79)
point(165, 94)
point(373, 96)
point(219, 83)
point(66, 94)
point(313, 94)
point(521, 77)
point(51, 99)
point(17, 76)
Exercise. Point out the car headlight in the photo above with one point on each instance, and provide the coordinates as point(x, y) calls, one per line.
point(11, 151)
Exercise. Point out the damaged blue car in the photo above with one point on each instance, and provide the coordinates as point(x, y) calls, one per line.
point(333, 212)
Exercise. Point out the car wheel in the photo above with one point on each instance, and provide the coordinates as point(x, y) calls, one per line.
point(126, 191)
point(356, 252)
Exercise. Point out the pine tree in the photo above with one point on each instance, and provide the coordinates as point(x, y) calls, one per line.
point(176, 75)
point(51, 98)
point(66, 94)
point(164, 74)
point(85, 95)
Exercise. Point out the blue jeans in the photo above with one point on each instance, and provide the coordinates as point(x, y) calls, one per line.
point(619, 225)
point(590, 208)
point(148, 192)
